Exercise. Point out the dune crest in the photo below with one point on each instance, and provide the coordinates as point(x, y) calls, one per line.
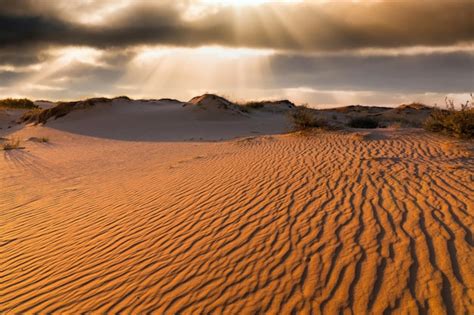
point(211, 101)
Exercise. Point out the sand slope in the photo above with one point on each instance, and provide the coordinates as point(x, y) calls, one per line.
point(167, 121)
point(276, 224)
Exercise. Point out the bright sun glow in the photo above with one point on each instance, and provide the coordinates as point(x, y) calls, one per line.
point(78, 54)
point(163, 70)
point(246, 2)
point(211, 52)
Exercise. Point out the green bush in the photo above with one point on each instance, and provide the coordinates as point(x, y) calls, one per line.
point(363, 122)
point(21, 103)
point(452, 121)
point(305, 118)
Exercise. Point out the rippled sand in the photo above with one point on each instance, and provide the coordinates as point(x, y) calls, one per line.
point(307, 224)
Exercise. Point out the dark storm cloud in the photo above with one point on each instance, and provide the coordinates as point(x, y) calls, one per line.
point(9, 77)
point(328, 27)
point(439, 72)
point(19, 58)
point(138, 24)
point(90, 74)
point(318, 46)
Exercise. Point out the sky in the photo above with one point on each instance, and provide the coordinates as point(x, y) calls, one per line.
point(322, 53)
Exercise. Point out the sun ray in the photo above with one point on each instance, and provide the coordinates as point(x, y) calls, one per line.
point(211, 68)
point(57, 61)
point(240, 3)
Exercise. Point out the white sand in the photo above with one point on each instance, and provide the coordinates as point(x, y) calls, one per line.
point(167, 121)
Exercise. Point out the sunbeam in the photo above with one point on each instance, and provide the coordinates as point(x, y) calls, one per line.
point(59, 59)
point(165, 70)
point(240, 3)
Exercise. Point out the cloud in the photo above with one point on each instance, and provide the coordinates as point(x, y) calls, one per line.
point(306, 26)
point(19, 58)
point(8, 77)
point(436, 72)
point(315, 51)
point(160, 72)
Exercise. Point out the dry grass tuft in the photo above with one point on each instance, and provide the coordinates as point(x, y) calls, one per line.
point(305, 118)
point(17, 103)
point(12, 144)
point(38, 116)
point(451, 121)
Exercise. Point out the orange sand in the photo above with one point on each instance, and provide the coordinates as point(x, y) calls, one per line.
point(274, 224)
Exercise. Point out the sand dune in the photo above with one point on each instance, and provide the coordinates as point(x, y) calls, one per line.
point(280, 224)
point(168, 120)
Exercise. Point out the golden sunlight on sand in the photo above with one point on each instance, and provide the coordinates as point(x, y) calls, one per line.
point(331, 222)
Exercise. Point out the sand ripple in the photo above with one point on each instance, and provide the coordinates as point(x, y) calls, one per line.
point(279, 225)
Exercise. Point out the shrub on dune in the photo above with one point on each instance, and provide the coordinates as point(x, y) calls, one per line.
point(11, 144)
point(363, 123)
point(254, 105)
point(452, 121)
point(39, 116)
point(271, 105)
point(305, 118)
point(20, 103)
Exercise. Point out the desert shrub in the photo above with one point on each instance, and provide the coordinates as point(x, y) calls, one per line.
point(255, 105)
point(42, 116)
point(452, 121)
point(247, 107)
point(11, 144)
point(305, 118)
point(405, 122)
point(30, 116)
point(20, 103)
point(244, 109)
point(363, 122)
